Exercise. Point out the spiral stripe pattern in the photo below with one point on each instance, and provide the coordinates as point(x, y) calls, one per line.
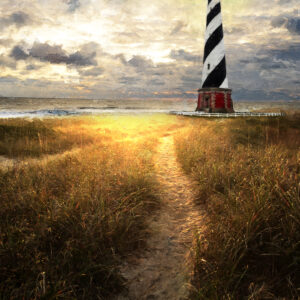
point(214, 62)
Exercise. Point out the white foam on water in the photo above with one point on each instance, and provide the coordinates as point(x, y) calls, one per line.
point(75, 112)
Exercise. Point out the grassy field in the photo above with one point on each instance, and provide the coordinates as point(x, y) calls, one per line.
point(248, 176)
point(76, 200)
point(67, 220)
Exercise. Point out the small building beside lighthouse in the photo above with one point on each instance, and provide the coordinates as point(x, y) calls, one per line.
point(214, 95)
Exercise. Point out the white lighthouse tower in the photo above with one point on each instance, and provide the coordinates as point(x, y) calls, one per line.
point(214, 95)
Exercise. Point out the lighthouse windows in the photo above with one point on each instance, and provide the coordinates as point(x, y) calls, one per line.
point(206, 101)
point(208, 67)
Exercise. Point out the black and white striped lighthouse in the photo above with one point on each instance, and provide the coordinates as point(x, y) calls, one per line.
point(214, 96)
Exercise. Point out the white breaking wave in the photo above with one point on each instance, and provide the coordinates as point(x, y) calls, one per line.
point(74, 112)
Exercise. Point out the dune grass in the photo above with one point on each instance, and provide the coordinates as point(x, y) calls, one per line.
point(248, 173)
point(32, 138)
point(66, 223)
point(21, 138)
point(67, 220)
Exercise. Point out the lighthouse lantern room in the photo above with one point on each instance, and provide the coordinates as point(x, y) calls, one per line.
point(214, 96)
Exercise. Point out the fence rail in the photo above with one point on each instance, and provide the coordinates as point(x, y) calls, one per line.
point(224, 115)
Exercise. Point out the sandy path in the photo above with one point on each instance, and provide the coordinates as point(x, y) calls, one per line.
point(163, 271)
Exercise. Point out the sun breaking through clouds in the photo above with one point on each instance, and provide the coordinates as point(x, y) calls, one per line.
point(137, 49)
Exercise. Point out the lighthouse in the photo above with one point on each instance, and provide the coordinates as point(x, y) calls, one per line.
point(214, 95)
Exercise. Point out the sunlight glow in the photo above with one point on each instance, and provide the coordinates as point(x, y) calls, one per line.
point(243, 41)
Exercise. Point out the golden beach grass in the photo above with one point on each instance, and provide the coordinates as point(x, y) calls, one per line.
point(248, 176)
point(66, 222)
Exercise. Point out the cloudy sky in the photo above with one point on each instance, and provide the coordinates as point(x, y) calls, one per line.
point(145, 49)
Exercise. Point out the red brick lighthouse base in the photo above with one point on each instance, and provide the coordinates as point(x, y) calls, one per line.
point(216, 100)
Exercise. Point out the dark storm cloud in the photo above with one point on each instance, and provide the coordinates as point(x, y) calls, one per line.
point(45, 52)
point(291, 53)
point(190, 80)
point(18, 19)
point(289, 22)
point(73, 5)
point(284, 1)
point(179, 26)
point(129, 80)
point(8, 79)
point(276, 58)
point(278, 21)
point(80, 59)
point(32, 67)
point(140, 63)
point(18, 53)
point(155, 78)
point(93, 72)
point(183, 55)
point(54, 54)
point(268, 66)
point(266, 62)
point(245, 94)
point(293, 25)
point(245, 61)
point(156, 82)
point(161, 71)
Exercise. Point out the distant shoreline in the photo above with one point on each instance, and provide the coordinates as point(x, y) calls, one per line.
point(18, 107)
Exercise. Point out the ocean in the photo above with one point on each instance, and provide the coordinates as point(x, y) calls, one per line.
point(52, 107)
